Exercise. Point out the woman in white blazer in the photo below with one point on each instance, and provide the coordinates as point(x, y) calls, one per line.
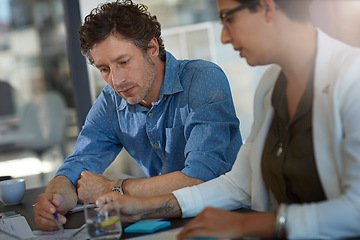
point(321, 197)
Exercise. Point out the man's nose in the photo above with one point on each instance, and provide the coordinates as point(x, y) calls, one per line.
point(117, 77)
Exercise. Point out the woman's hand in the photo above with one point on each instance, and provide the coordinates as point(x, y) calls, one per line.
point(217, 223)
point(131, 208)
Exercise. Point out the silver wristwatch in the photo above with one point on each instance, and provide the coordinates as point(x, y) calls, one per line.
point(118, 186)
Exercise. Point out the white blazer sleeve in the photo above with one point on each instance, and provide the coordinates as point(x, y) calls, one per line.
point(226, 192)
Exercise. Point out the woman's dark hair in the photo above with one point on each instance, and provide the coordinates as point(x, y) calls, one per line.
point(131, 21)
point(298, 10)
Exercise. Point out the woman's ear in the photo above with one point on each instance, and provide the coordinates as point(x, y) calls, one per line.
point(269, 9)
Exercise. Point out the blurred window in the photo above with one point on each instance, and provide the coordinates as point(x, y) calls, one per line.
point(33, 56)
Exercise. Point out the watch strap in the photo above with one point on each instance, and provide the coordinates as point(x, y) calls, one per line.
point(118, 186)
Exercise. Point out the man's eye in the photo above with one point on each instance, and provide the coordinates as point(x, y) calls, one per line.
point(104, 70)
point(124, 62)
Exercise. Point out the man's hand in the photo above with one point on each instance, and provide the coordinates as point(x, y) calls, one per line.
point(44, 209)
point(134, 209)
point(217, 223)
point(60, 196)
point(91, 186)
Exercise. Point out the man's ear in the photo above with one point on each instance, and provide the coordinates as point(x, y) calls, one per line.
point(269, 9)
point(153, 48)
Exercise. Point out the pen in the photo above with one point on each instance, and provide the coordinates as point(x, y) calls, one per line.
point(77, 231)
point(57, 220)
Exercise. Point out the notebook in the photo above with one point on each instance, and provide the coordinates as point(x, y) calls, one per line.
point(15, 227)
point(147, 226)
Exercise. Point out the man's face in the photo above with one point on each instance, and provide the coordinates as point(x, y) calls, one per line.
point(125, 68)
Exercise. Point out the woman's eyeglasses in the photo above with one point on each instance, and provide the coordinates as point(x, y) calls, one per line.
point(224, 15)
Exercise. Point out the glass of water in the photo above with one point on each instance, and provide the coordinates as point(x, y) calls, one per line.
point(104, 222)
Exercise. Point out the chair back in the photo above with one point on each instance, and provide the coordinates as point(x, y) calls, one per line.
point(43, 122)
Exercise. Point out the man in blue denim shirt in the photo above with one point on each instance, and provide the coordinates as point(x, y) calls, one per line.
point(175, 118)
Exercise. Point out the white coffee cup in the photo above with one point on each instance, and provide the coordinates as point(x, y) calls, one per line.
point(12, 191)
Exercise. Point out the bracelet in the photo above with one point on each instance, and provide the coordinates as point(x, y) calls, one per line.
point(279, 228)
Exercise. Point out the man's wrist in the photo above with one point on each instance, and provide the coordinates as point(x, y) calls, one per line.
point(119, 186)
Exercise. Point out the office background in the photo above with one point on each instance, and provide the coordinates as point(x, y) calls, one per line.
point(38, 58)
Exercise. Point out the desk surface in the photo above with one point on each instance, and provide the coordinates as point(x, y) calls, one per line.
point(74, 220)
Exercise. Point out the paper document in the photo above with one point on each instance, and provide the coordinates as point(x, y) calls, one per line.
point(79, 207)
point(15, 226)
point(67, 234)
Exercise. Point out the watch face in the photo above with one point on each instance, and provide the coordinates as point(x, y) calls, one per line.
point(115, 189)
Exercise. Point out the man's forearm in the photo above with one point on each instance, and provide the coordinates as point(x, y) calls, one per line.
point(158, 185)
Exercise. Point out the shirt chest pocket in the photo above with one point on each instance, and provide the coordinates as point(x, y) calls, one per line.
point(175, 142)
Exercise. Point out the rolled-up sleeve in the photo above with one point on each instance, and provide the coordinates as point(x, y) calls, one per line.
point(97, 145)
point(212, 129)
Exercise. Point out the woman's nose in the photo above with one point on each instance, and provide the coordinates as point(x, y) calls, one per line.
point(225, 36)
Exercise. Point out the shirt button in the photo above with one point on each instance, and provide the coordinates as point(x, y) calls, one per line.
point(151, 115)
point(164, 168)
point(156, 145)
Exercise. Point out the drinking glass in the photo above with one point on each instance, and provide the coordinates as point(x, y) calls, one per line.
point(104, 222)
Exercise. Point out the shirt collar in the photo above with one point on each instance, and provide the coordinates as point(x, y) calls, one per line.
point(171, 83)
